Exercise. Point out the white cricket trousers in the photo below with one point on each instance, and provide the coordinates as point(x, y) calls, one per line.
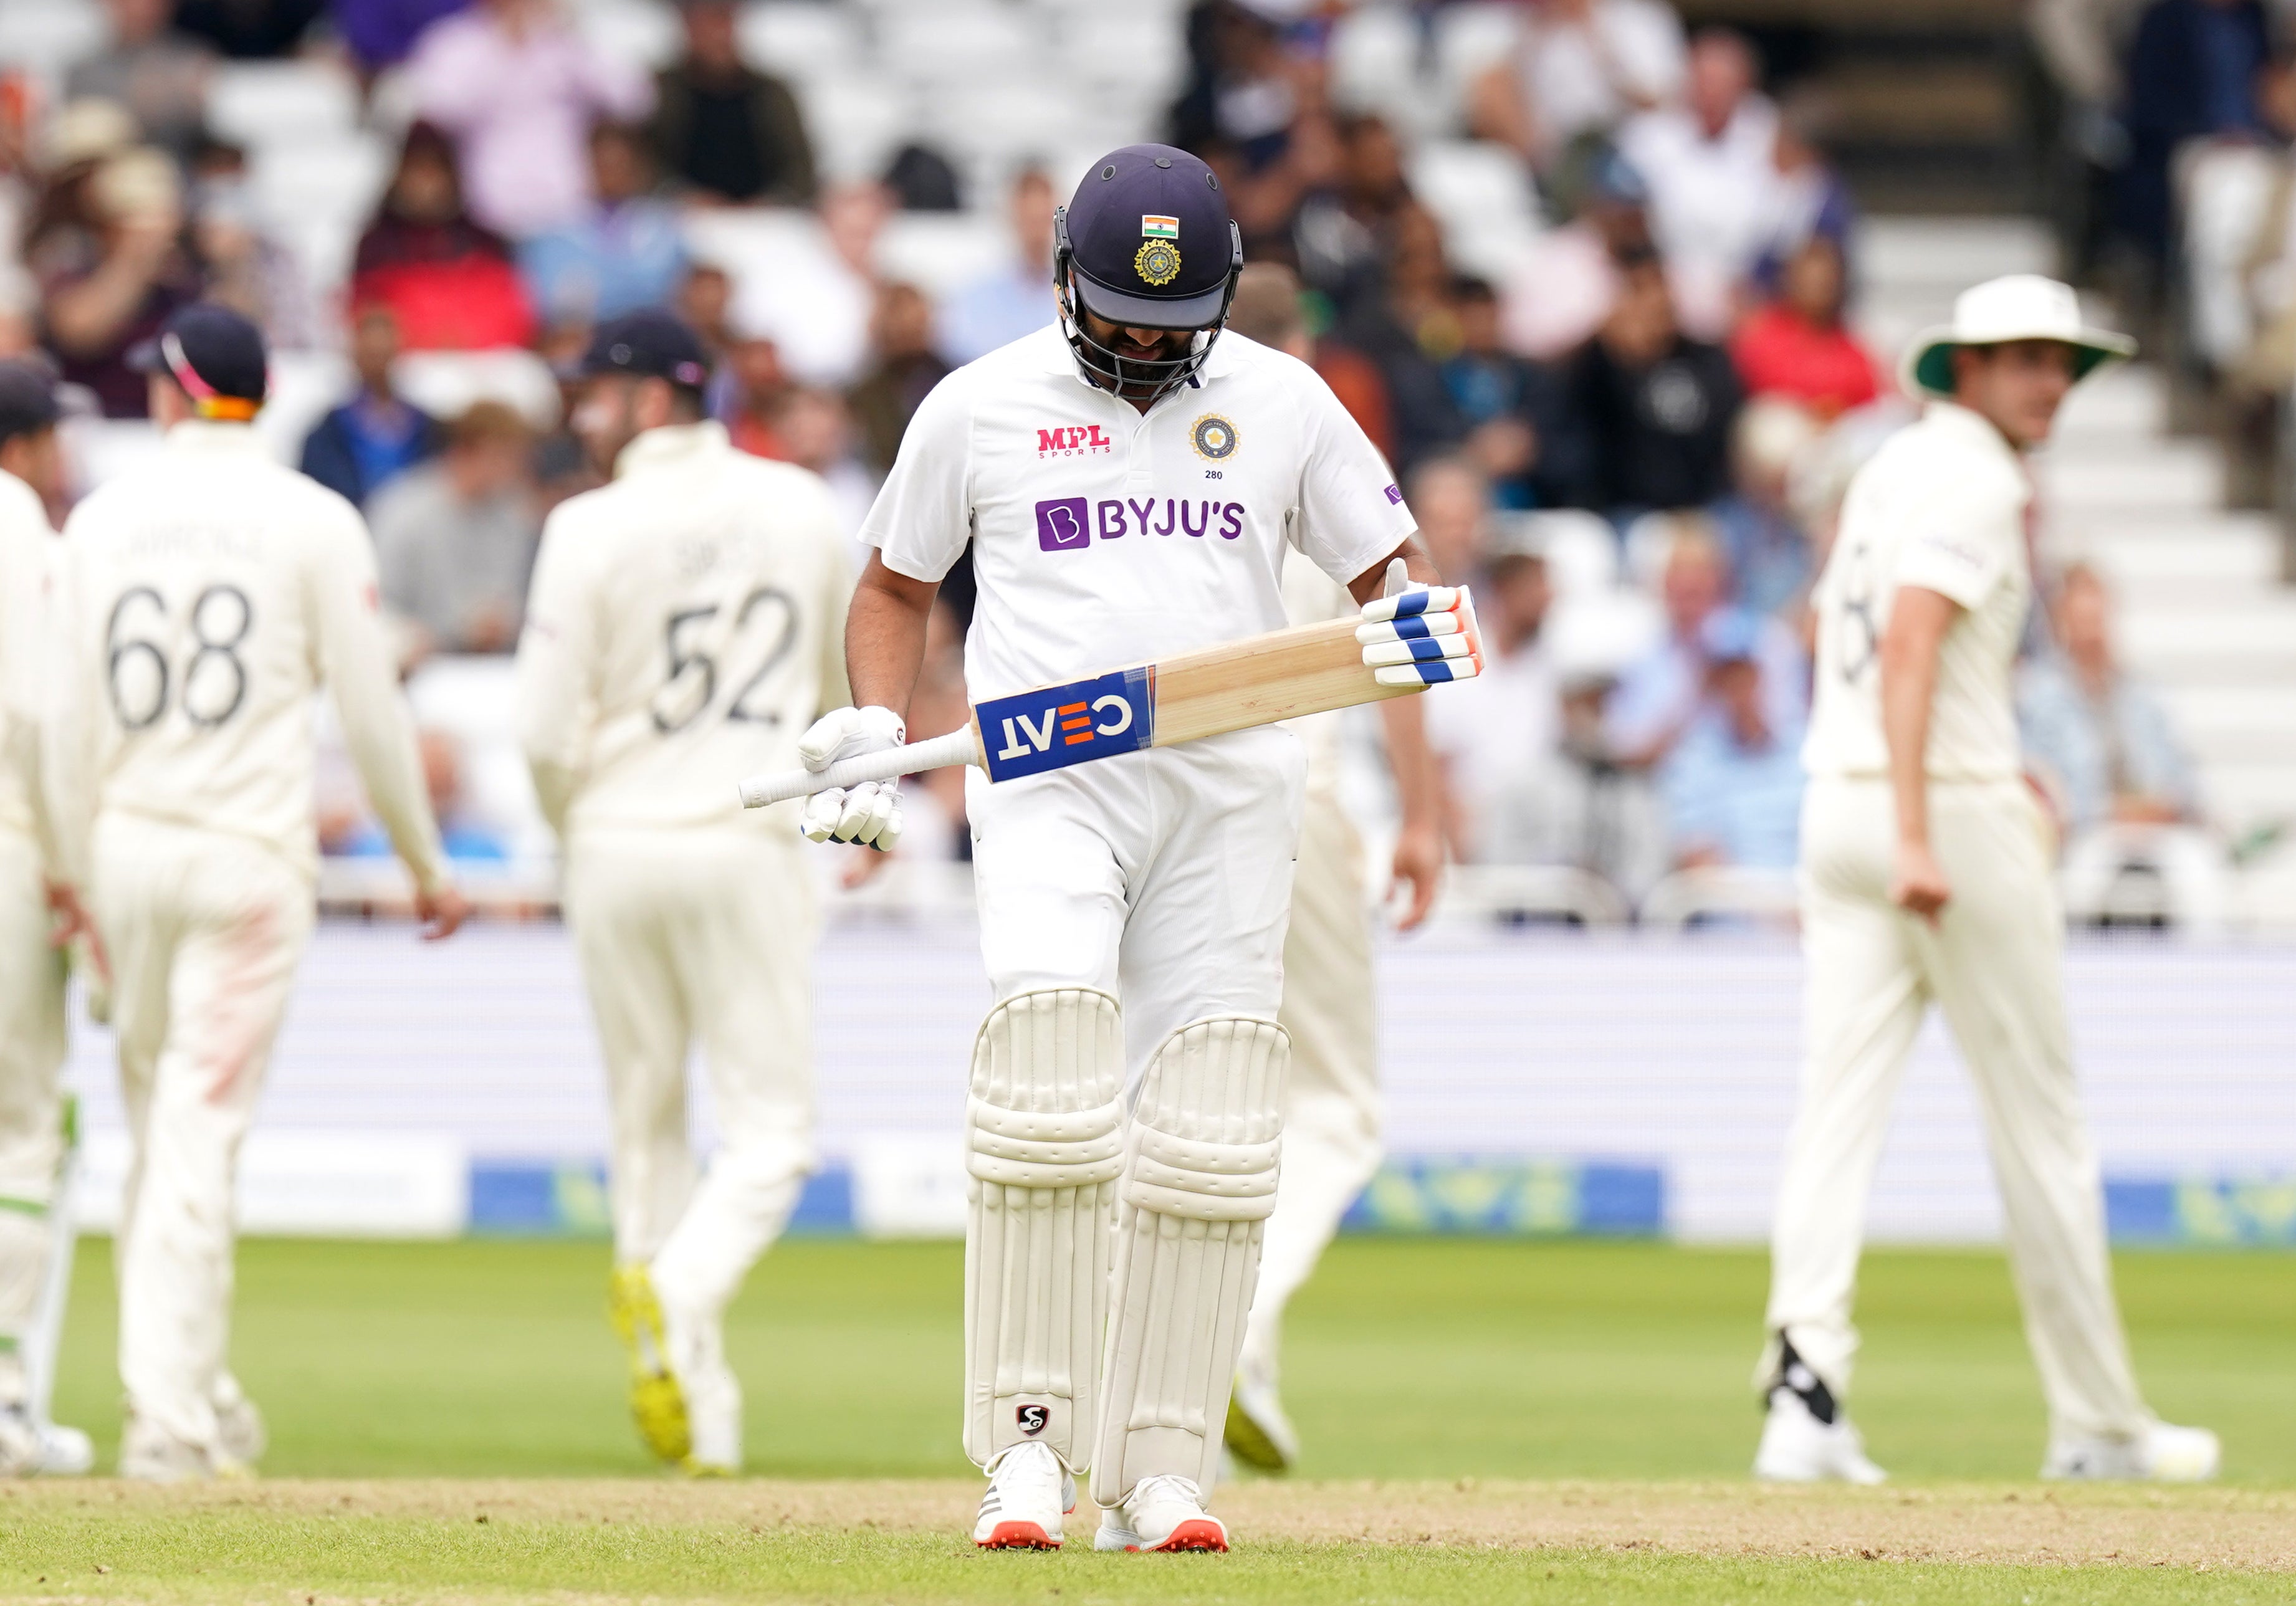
point(204, 931)
point(1331, 1106)
point(31, 1110)
point(1162, 877)
point(700, 934)
point(1993, 963)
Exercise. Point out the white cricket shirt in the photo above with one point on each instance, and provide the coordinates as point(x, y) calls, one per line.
point(200, 603)
point(24, 539)
point(1103, 539)
point(686, 626)
point(1940, 506)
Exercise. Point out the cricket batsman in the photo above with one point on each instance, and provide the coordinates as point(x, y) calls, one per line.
point(1130, 481)
point(1925, 877)
point(685, 623)
point(37, 916)
point(1332, 1105)
point(202, 601)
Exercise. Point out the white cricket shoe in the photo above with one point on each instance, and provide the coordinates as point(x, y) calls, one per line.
point(694, 1350)
point(1259, 1433)
point(2163, 1454)
point(65, 1452)
point(1165, 1512)
point(1798, 1449)
point(240, 1430)
point(150, 1453)
point(1030, 1491)
point(19, 1443)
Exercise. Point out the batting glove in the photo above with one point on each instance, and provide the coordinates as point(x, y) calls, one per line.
point(1419, 635)
point(869, 814)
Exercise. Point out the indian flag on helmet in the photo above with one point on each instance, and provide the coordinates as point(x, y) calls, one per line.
point(1153, 228)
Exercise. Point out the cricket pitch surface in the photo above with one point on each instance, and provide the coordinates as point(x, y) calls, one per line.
point(372, 1541)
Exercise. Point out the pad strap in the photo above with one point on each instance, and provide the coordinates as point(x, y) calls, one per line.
point(1200, 1179)
point(1028, 1149)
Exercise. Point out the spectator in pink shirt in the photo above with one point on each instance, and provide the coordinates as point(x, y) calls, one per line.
point(519, 88)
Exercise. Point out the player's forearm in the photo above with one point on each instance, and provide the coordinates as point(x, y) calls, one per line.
point(1367, 585)
point(885, 637)
point(66, 771)
point(1909, 665)
point(1418, 791)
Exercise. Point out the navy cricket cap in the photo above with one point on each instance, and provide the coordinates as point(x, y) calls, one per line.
point(647, 344)
point(28, 399)
point(215, 355)
point(1150, 241)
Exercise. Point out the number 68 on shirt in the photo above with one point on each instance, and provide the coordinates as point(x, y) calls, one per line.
point(1397, 646)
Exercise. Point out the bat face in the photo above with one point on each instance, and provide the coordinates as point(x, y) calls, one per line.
point(1031, 731)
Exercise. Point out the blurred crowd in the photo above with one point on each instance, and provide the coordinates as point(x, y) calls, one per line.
point(1629, 427)
point(2174, 124)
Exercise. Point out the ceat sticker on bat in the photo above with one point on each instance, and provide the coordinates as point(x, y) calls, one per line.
point(1032, 731)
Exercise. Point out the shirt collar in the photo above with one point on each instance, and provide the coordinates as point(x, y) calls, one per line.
point(215, 437)
point(673, 446)
point(1973, 428)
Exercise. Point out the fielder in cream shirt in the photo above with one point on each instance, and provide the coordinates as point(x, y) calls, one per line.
point(1926, 877)
point(202, 601)
point(37, 915)
point(684, 629)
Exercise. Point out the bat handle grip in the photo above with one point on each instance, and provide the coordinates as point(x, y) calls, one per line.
point(959, 746)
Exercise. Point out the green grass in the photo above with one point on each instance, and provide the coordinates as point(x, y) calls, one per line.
point(229, 1557)
point(1404, 1359)
point(1441, 1360)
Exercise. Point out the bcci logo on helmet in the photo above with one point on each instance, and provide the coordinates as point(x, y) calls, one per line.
point(1158, 263)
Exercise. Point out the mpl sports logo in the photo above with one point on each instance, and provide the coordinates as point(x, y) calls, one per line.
point(1074, 441)
point(1032, 731)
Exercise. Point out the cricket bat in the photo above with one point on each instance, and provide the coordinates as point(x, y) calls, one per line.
point(1305, 669)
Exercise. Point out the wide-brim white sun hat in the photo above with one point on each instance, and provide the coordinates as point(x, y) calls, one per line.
point(2018, 307)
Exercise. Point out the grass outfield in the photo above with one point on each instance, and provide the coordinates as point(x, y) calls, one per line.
point(1613, 1375)
point(1426, 1359)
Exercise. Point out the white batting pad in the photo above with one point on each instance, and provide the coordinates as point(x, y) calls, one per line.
point(1045, 1127)
point(1200, 1168)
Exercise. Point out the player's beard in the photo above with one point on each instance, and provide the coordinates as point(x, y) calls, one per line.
point(1142, 372)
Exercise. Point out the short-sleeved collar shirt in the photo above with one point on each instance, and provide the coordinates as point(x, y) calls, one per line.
point(1942, 507)
point(1104, 538)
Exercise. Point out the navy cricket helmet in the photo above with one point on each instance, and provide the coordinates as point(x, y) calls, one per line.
point(1146, 243)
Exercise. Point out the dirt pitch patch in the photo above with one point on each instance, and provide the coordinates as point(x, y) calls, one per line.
point(2235, 1529)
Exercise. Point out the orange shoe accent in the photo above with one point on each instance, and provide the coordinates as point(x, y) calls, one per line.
point(1197, 1533)
point(1021, 1536)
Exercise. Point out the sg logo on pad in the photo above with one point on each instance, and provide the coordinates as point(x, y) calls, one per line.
point(1033, 1419)
point(1063, 526)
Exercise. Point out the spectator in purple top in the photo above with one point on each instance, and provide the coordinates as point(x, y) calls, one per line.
point(518, 88)
point(381, 33)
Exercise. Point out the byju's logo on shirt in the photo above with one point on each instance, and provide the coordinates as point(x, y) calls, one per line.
point(1074, 441)
point(1061, 525)
point(1069, 524)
